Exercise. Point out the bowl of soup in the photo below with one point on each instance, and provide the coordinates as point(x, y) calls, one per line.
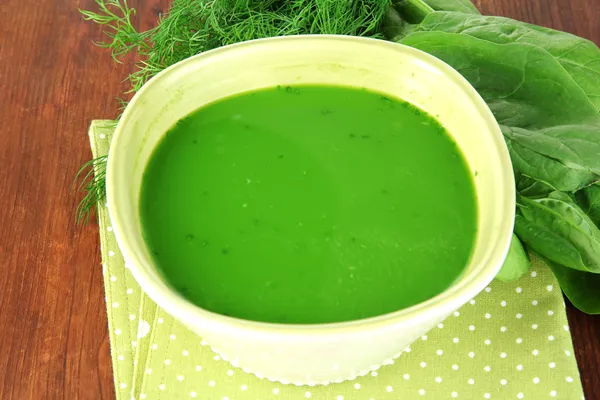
point(310, 205)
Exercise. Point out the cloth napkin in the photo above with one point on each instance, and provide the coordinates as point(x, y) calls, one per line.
point(510, 342)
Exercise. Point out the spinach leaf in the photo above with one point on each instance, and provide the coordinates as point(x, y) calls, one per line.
point(564, 157)
point(461, 6)
point(578, 56)
point(545, 242)
point(551, 128)
point(404, 16)
point(413, 11)
point(592, 196)
point(428, 6)
point(581, 288)
point(396, 26)
point(556, 228)
point(523, 84)
point(516, 264)
point(532, 188)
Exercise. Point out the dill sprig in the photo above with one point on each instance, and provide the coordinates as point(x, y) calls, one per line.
point(194, 26)
point(92, 176)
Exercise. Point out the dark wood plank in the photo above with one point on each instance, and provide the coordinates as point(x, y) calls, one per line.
point(53, 81)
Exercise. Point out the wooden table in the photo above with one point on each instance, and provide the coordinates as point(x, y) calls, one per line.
point(53, 81)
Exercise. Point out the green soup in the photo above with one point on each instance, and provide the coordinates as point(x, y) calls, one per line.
point(308, 204)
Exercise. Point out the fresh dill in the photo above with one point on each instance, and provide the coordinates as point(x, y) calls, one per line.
point(194, 26)
point(92, 176)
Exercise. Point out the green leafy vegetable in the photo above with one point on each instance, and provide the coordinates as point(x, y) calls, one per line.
point(395, 26)
point(564, 157)
point(401, 19)
point(461, 6)
point(413, 11)
point(529, 187)
point(516, 264)
point(592, 204)
point(559, 230)
point(511, 81)
point(581, 288)
point(578, 56)
point(551, 127)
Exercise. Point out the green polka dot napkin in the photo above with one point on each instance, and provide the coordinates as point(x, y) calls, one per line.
point(510, 342)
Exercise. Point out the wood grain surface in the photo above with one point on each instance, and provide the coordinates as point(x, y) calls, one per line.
point(53, 82)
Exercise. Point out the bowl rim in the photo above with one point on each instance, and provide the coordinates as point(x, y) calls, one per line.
point(444, 303)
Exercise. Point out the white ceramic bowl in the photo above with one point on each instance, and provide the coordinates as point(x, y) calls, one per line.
point(314, 354)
